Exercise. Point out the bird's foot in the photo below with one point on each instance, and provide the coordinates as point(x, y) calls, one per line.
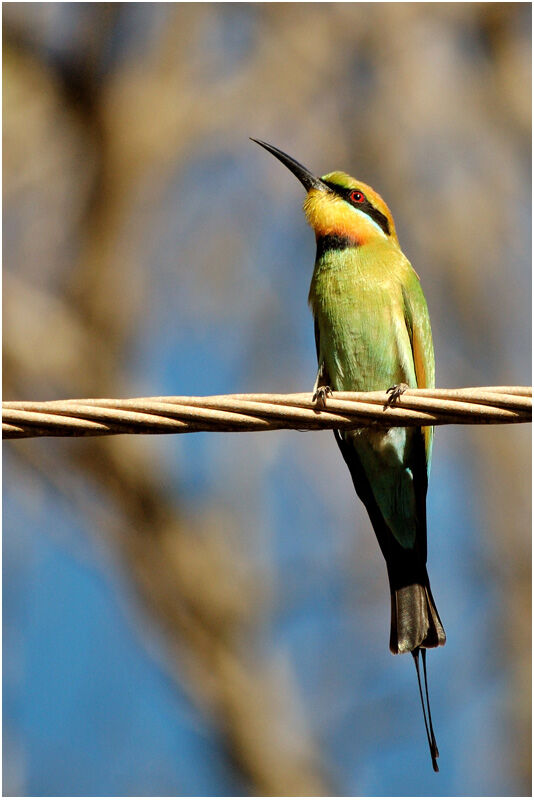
point(394, 393)
point(320, 395)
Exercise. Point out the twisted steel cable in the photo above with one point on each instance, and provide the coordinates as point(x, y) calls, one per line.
point(259, 412)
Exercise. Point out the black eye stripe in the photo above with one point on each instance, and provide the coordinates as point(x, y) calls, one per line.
point(365, 206)
point(376, 215)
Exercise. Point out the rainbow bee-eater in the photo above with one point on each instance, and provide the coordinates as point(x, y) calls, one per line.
point(372, 333)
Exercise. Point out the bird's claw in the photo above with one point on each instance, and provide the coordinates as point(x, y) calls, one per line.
point(320, 395)
point(394, 393)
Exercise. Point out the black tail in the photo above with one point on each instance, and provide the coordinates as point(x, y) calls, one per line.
point(434, 752)
point(415, 621)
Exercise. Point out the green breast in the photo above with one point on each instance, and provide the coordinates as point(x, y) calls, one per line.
point(356, 298)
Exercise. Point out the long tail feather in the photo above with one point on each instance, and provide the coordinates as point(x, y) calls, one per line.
point(434, 752)
point(434, 746)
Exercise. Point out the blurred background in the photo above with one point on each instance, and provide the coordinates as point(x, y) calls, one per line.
point(208, 614)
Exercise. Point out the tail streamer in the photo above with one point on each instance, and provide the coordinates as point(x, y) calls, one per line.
point(427, 716)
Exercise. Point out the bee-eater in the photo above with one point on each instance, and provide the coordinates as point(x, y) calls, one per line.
point(372, 332)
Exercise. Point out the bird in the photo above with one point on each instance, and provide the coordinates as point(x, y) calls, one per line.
point(372, 333)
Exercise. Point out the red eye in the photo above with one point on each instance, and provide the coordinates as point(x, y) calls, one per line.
point(357, 197)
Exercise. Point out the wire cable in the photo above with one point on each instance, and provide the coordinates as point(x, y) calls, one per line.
point(258, 412)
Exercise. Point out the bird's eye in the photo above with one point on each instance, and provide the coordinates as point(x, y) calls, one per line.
point(357, 197)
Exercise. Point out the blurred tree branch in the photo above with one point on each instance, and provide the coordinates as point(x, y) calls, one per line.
point(186, 574)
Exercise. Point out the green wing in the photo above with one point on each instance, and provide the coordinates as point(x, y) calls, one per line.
point(418, 324)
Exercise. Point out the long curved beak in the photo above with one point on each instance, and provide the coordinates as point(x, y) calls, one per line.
point(308, 180)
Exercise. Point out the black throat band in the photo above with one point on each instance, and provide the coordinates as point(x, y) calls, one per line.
point(333, 241)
